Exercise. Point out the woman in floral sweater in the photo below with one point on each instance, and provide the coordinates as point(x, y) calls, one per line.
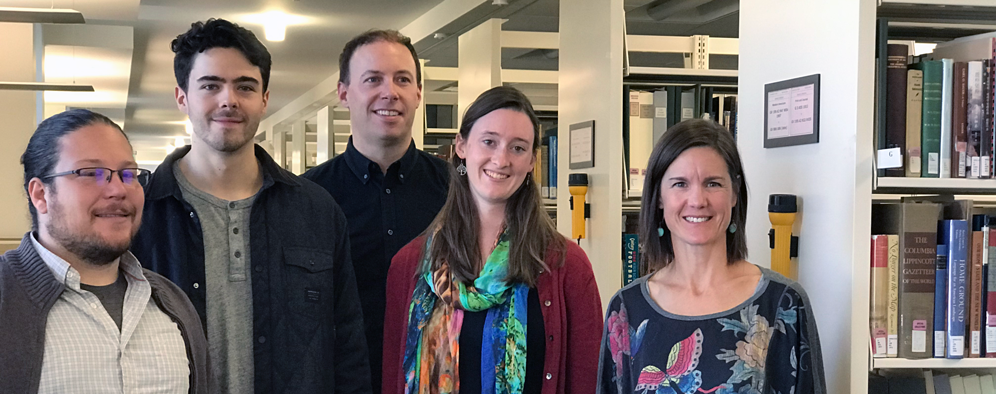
point(705, 320)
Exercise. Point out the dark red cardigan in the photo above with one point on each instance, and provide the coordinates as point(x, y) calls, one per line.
point(572, 318)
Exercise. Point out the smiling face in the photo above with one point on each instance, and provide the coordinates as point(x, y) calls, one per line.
point(697, 197)
point(499, 153)
point(382, 93)
point(224, 99)
point(92, 221)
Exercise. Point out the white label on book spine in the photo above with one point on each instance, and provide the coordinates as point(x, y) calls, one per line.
point(985, 166)
point(956, 345)
point(933, 160)
point(880, 347)
point(991, 339)
point(915, 164)
point(893, 347)
point(919, 341)
point(938, 343)
point(976, 345)
point(962, 162)
point(976, 167)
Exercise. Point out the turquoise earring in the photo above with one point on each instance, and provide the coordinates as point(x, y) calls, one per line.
point(660, 231)
point(732, 228)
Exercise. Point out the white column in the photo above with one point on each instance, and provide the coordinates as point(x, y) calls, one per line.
point(298, 147)
point(418, 126)
point(326, 135)
point(279, 147)
point(590, 88)
point(19, 110)
point(832, 178)
point(480, 63)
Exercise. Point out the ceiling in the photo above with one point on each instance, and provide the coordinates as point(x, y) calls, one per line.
point(123, 49)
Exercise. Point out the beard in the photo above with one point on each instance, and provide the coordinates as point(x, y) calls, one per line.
point(88, 247)
point(229, 141)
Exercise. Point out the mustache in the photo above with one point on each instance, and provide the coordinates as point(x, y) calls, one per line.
point(116, 209)
point(229, 113)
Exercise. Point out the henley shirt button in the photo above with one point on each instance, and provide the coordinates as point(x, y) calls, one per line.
point(259, 268)
point(390, 232)
point(263, 340)
point(365, 176)
point(551, 338)
point(547, 303)
point(549, 376)
point(236, 231)
point(231, 205)
point(388, 191)
point(197, 286)
point(402, 176)
point(238, 254)
point(191, 215)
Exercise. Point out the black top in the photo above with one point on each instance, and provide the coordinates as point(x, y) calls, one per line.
point(111, 296)
point(384, 212)
point(471, 338)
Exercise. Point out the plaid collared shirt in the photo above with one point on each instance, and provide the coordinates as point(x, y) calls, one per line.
point(85, 352)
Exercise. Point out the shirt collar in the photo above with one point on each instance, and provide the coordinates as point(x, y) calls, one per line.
point(363, 167)
point(163, 182)
point(69, 277)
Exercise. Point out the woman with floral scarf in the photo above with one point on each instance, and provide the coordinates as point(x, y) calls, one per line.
point(491, 298)
point(702, 319)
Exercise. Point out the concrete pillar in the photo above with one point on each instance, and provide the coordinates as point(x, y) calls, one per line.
point(326, 135)
point(19, 111)
point(298, 147)
point(480, 63)
point(279, 148)
point(590, 88)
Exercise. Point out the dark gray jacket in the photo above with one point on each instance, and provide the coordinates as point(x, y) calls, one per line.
point(27, 292)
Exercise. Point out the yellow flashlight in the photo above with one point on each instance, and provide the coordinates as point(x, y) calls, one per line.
point(577, 185)
point(784, 246)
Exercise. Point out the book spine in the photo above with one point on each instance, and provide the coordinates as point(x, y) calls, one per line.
point(990, 319)
point(987, 120)
point(553, 166)
point(959, 123)
point(957, 286)
point(878, 321)
point(544, 180)
point(892, 313)
point(947, 80)
point(975, 118)
point(975, 291)
point(914, 108)
point(985, 287)
point(916, 252)
point(631, 258)
point(940, 294)
point(930, 134)
point(895, 101)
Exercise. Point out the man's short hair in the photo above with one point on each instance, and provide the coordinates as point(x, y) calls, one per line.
point(43, 149)
point(217, 33)
point(371, 37)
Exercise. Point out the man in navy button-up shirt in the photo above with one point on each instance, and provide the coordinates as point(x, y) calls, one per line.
point(389, 190)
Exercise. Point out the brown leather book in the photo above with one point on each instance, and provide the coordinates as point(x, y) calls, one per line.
point(895, 102)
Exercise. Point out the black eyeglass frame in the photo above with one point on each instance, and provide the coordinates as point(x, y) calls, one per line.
point(141, 178)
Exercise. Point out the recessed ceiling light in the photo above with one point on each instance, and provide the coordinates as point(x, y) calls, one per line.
point(275, 23)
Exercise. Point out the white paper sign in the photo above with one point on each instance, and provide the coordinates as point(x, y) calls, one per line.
point(581, 145)
point(890, 158)
point(790, 112)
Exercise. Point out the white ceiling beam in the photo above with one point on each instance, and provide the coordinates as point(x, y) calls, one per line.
point(530, 40)
point(675, 44)
point(529, 76)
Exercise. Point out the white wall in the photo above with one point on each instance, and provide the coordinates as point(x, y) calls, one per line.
point(781, 40)
point(590, 88)
point(18, 111)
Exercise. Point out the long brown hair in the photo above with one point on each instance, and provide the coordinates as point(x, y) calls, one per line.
point(455, 230)
point(658, 252)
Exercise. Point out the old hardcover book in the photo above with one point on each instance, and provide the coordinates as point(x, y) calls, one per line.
point(930, 120)
point(878, 321)
point(916, 226)
point(895, 101)
point(975, 289)
point(959, 122)
point(914, 109)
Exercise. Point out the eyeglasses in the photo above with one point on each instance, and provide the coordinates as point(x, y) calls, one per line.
point(102, 176)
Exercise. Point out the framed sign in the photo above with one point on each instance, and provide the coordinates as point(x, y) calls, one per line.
point(792, 112)
point(582, 145)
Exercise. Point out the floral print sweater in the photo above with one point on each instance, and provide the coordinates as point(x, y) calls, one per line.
point(767, 344)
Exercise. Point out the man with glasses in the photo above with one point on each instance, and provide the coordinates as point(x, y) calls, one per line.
point(263, 254)
point(77, 311)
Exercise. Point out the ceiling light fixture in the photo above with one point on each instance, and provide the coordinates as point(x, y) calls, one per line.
point(45, 86)
point(40, 15)
point(499, 2)
point(275, 23)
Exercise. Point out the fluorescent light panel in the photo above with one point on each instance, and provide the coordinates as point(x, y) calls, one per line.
point(40, 15)
point(45, 86)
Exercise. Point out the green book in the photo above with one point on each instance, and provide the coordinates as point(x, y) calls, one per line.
point(930, 130)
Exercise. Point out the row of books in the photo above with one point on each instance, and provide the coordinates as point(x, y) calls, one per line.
point(545, 170)
point(932, 383)
point(938, 109)
point(932, 294)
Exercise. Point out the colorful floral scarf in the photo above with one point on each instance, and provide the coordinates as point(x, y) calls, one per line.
point(432, 349)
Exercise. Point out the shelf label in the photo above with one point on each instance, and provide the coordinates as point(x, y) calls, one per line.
point(890, 158)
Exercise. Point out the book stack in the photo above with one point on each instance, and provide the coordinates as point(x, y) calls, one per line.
point(938, 110)
point(932, 294)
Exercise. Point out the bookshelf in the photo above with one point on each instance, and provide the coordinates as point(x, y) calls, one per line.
point(937, 21)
